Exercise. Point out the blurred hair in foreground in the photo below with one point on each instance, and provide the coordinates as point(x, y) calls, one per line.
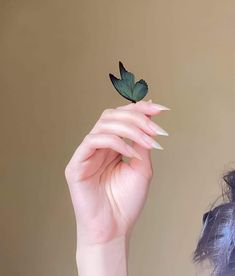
point(217, 241)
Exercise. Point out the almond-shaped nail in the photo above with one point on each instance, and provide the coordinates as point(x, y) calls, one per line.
point(157, 129)
point(133, 152)
point(159, 107)
point(152, 142)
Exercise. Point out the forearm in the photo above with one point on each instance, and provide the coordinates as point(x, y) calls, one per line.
point(110, 258)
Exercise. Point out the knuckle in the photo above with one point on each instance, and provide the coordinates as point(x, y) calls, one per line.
point(99, 125)
point(106, 112)
point(87, 139)
point(101, 122)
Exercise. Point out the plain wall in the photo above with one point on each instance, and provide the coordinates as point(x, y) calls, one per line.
point(55, 57)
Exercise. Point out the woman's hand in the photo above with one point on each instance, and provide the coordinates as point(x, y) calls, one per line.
point(108, 193)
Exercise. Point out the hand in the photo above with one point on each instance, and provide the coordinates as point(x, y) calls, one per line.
point(108, 194)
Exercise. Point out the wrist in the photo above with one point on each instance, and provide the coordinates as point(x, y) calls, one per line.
point(103, 259)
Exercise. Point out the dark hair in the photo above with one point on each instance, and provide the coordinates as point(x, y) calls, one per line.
point(217, 241)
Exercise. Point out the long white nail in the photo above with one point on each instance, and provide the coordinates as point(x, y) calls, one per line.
point(159, 107)
point(152, 142)
point(157, 129)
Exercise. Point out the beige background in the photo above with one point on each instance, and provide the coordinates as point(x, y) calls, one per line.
point(55, 57)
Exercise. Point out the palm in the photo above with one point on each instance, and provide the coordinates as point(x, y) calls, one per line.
point(115, 205)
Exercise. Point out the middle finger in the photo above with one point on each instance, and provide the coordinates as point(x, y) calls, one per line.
point(126, 130)
point(137, 118)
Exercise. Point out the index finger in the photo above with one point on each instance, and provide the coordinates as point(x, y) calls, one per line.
point(146, 107)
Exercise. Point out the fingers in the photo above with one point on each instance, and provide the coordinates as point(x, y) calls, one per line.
point(148, 109)
point(135, 118)
point(95, 141)
point(130, 122)
point(127, 130)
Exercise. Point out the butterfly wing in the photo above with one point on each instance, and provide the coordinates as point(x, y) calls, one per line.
point(140, 90)
point(121, 86)
point(128, 77)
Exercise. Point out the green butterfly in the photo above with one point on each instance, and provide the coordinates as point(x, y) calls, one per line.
point(127, 87)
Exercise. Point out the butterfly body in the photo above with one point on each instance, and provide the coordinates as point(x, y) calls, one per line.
point(127, 87)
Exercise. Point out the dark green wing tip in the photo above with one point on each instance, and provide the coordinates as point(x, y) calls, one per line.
point(113, 80)
point(120, 64)
point(112, 77)
point(121, 67)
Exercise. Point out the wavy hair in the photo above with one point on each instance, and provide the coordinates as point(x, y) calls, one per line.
point(217, 241)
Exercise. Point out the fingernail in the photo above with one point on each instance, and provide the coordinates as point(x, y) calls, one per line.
point(152, 142)
point(150, 101)
point(159, 107)
point(134, 153)
point(157, 129)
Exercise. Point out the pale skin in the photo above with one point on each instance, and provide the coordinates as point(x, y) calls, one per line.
point(107, 192)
